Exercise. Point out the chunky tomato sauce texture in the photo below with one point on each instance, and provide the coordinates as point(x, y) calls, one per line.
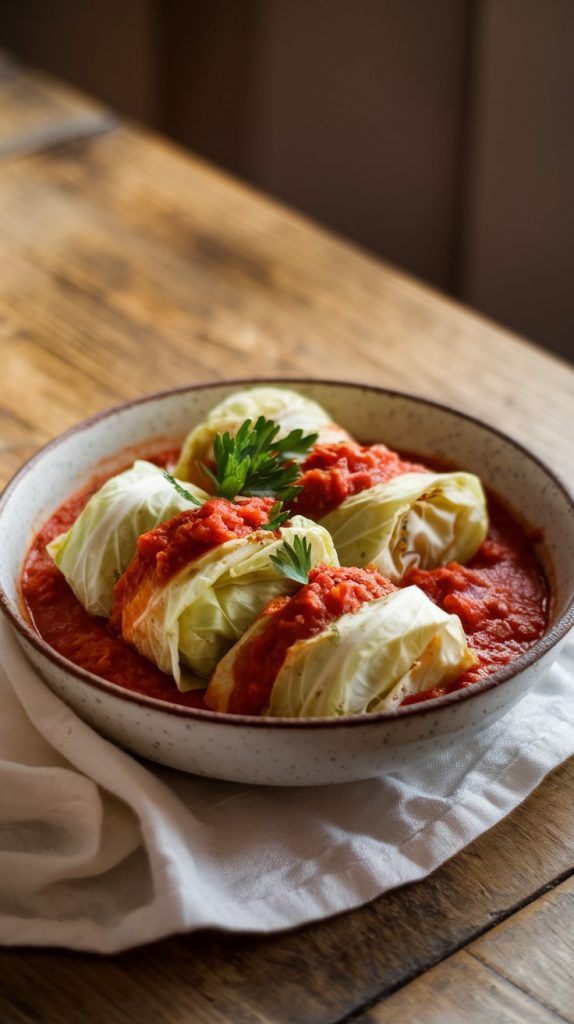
point(333, 472)
point(501, 596)
point(329, 594)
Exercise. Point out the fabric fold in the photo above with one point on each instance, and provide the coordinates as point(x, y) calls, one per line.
point(102, 852)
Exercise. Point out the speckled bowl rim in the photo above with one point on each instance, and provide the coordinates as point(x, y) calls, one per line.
point(554, 635)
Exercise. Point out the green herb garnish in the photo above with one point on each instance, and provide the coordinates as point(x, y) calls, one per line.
point(181, 490)
point(276, 517)
point(293, 561)
point(254, 463)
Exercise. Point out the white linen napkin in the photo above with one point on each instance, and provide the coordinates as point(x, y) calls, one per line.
point(101, 852)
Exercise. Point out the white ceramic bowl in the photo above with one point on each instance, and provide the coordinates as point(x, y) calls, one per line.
point(285, 751)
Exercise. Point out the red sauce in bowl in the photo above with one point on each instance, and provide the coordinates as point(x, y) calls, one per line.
point(501, 596)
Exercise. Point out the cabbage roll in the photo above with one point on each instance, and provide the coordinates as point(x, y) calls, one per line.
point(367, 660)
point(184, 600)
point(416, 519)
point(97, 549)
point(288, 409)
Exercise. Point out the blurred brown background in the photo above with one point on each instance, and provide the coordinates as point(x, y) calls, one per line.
point(437, 133)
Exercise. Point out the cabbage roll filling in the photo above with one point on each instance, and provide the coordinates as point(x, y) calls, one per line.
point(329, 594)
point(334, 472)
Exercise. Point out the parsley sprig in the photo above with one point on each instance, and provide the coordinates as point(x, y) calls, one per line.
point(255, 463)
point(181, 490)
point(294, 561)
point(277, 516)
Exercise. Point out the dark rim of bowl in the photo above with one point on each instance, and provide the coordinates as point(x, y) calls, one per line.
point(418, 710)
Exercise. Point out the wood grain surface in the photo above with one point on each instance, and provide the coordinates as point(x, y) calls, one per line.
point(127, 267)
point(520, 971)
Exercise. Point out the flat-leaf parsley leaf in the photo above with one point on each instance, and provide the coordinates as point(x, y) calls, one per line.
point(254, 463)
point(181, 490)
point(294, 561)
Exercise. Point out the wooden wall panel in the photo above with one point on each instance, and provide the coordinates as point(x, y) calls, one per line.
point(208, 77)
point(348, 111)
point(357, 120)
point(109, 48)
point(517, 258)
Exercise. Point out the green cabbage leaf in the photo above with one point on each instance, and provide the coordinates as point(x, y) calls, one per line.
point(416, 519)
point(99, 546)
point(288, 409)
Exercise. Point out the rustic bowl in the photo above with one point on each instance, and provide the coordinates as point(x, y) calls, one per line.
point(287, 751)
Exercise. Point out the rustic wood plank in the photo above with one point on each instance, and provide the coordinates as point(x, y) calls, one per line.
point(535, 950)
point(36, 114)
point(522, 970)
point(460, 990)
point(121, 240)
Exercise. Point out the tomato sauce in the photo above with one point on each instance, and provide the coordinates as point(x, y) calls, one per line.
point(501, 596)
point(333, 472)
point(329, 594)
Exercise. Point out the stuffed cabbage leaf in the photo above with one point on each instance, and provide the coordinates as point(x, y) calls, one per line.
point(99, 546)
point(366, 661)
point(416, 519)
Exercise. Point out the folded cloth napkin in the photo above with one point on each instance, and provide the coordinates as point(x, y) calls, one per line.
point(101, 852)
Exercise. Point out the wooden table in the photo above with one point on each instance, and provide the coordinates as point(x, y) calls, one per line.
point(129, 266)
